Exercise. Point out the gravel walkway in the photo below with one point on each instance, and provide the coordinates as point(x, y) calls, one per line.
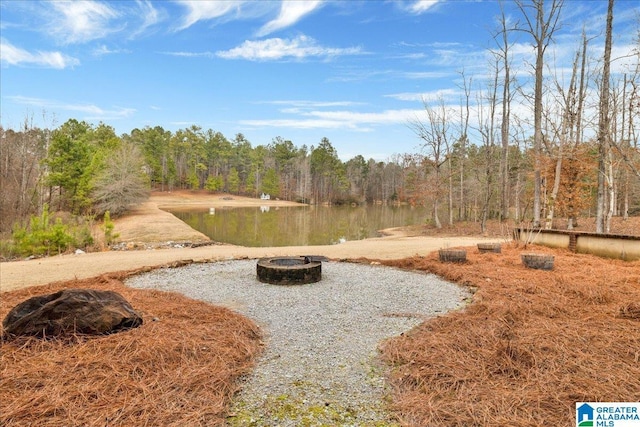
point(319, 367)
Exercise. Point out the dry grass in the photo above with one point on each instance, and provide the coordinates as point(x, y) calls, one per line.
point(530, 345)
point(179, 370)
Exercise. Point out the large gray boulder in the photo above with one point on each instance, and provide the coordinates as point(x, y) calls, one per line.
point(83, 311)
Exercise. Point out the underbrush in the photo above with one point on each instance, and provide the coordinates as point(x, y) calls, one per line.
point(48, 234)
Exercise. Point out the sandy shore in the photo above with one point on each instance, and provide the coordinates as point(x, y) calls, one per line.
point(148, 223)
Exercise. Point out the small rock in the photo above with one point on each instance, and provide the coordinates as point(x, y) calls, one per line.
point(80, 252)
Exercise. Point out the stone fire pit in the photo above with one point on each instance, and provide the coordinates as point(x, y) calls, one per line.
point(289, 270)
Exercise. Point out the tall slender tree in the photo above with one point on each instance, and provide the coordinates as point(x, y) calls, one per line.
point(487, 106)
point(541, 23)
point(502, 39)
point(462, 144)
point(604, 132)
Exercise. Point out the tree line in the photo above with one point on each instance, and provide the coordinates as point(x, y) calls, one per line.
point(479, 159)
point(578, 155)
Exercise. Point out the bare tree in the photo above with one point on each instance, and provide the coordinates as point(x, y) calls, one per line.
point(628, 149)
point(604, 135)
point(21, 172)
point(518, 188)
point(435, 133)
point(463, 141)
point(502, 39)
point(566, 132)
point(573, 159)
point(487, 129)
point(122, 183)
point(541, 24)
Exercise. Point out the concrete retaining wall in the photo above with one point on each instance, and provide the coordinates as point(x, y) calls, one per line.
point(605, 245)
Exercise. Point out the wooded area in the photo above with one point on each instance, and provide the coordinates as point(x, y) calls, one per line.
point(579, 155)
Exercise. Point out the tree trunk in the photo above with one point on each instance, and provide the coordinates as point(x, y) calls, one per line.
point(603, 126)
point(517, 207)
point(554, 192)
point(625, 208)
point(612, 193)
point(436, 219)
point(572, 212)
point(462, 211)
point(504, 127)
point(450, 192)
point(537, 133)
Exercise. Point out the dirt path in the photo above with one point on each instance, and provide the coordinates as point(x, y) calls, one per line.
point(148, 223)
point(19, 274)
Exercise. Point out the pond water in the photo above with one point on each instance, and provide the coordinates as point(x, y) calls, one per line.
point(298, 226)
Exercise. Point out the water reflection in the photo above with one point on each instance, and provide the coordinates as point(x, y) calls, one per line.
point(298, 226)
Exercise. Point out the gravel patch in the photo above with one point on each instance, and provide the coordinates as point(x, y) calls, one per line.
point(319, 366)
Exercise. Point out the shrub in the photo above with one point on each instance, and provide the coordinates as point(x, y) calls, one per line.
point(42, 237)
point(108, 226)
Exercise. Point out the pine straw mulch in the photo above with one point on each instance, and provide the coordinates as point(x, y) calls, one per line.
point(530, 345)
point(178, 369)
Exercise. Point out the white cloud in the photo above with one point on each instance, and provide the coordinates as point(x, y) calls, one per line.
point(426, 74)
point(204, 10)
point(150, 16)
point(13, 55)
point(624, 58)
point(386, 75)
point(356, 118)
point(426, 96)
point(91, 112)
point(311, 104)
point(340, 119)
point(104, 50)
point(295, 123)
point(277, 48)
point(190, 54)
point(290, 13)
point(81, 21)
point(422, 6)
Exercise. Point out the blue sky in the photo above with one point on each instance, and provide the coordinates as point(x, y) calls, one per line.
point(355, 72)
